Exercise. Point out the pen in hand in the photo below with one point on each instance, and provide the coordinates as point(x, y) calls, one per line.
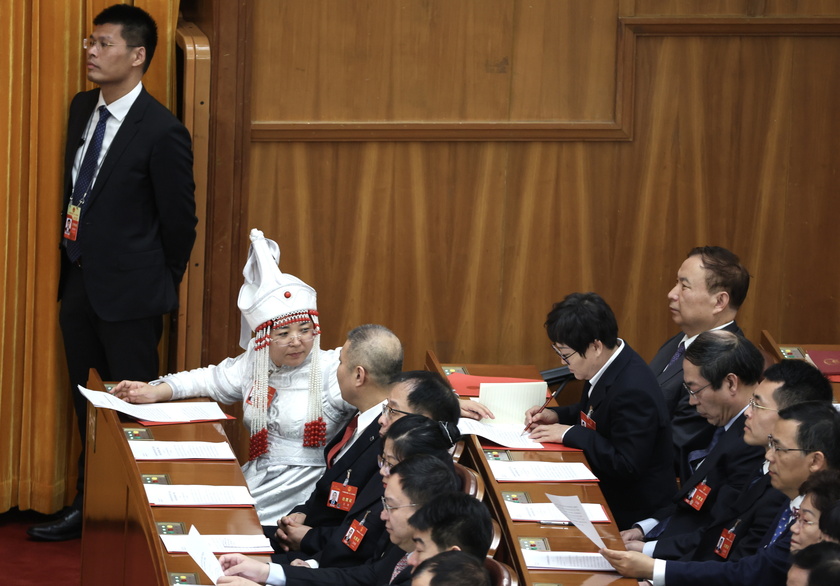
point(547, 401)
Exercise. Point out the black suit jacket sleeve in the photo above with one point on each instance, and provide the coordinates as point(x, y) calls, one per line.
point(374, 572)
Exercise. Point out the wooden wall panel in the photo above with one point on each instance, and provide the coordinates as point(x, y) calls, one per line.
point(463, 246)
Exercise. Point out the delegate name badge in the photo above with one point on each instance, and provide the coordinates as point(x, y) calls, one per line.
point(71, 221)
point(355, 534)
point(587, 422)
point(342, 495)
point(724, 544)
point(698, 495)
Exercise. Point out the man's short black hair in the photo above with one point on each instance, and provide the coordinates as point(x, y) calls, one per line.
point(819, 429)
point(799, 381)
point(718, 353)
point(810, 557)
point(422, 477)
point(724, 272)
point(579, 320)
point(825, 574)
point(138, 27)
point(456, 519)
point(431, 395)
point(454, 568)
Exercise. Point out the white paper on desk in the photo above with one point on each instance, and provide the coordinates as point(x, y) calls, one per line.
point(572, 508)
point(549, 512)
point(165, 412)
point(528, 471)
point(162, 450)
point(221, 544)
point(201, 553)
point(510, 401)
point(508, 435)
point(198, 495)
point(566, 560)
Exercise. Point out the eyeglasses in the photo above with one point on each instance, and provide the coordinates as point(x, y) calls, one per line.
point(694, 393)
point(390, 508)
point(91, 43)
point(773, 446)
point(798, 518)
point(284, 339)
point(384, 464)
point(389, 411)
point(755, 405)
point(564, 357)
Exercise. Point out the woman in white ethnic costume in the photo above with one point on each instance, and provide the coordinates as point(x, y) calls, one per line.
point(286, 383)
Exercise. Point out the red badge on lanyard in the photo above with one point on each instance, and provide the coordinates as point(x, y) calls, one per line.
point(698, 495)
point(342, 495)
point(727, 537)
point(587, 421)
point(356, 533)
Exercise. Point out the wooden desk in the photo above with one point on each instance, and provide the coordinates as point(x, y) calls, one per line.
point(120, 542)
point(772, 349)
point(560, 538)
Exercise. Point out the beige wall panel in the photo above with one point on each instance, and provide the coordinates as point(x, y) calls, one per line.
point(404, 234)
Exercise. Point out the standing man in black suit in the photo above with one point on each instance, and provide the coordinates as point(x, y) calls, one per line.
point(621, 422)
point(711, 286)
point(721, 371)
point(128, 221)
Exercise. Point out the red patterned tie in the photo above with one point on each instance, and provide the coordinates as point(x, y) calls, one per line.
point(401, 565)
point(348, 433)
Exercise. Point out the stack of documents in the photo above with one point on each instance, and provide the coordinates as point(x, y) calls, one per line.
point(565, 560)
point(198, 495)
point(159, 450)
point(548, 512)
point(527, 471)
point(180, 412)
point(219, 544)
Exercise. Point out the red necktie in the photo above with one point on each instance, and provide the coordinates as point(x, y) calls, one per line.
point(348, 433)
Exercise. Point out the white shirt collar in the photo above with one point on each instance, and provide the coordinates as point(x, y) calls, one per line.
point(603, 369)
point(118, 109)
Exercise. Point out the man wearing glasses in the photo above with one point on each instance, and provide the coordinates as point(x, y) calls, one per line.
point(721, 371)
point(621, 422)
point(413, 483)
point(128, 220)
point(805, 439)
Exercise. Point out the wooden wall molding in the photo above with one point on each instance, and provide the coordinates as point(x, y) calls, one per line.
point(619, 129)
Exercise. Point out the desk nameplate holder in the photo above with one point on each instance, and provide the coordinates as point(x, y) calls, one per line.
point(516, 497)
point(497, 455)
point(155, 479)
point(183, 578)
point(138, 434)
point(534, 543)
point(164, 528)
point(450, 368)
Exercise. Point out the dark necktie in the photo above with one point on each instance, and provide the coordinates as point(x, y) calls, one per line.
point(784, 521)
point(695, 457)
point(85, 178)
point(677, 355)
point(348, 433)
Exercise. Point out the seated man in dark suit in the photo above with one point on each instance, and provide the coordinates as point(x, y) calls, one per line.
point(453, 521)
point(805, 440)
point(413, 392)
point(370, 358)
point(808, 558)
point(721, 371)
point(711, 286)
point(743, 518)
point(342, 545)
point(621, 422)
point(412, 484)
